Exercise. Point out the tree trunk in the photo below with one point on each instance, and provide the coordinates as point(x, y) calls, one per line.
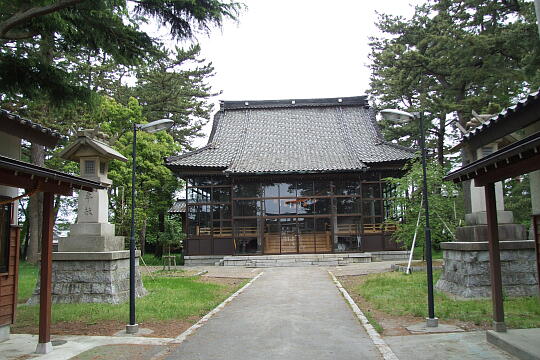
point(440, 140)
point(35, 209)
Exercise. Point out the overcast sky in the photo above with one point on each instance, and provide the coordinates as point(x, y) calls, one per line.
point(286, 49)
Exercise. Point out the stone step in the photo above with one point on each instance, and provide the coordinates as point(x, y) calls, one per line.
point(295, 260)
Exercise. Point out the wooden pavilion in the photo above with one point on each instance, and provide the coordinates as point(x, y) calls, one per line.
point(291, 176)
point(15, 175)
point(520, 122)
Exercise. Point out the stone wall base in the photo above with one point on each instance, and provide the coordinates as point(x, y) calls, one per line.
point(466, 269)
point(91, 278)
point(4, 332)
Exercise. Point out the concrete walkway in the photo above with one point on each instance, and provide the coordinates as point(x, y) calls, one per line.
point(288, 313)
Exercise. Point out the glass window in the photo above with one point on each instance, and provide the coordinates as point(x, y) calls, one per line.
point(271, 207)
point(246, 208)
point(348, 234)
point(222, 229)
point(248, 189)
point(192, 219)
point(347, 187)
point(198, 195)
point(371, 190)
point(321, 188)
point(89, 167)
point(271, 189)
point(202, 181)
point(220, 180)
point(371, 207)
point(287, 206)
point(199, 220)
point(221, 194)
point(372, 224)
point(348, 225)
point(348, 205)
point(287, 189)
point(323, 235)
point(5, 220)
point(245, 227)
point(322, 206)
point(304, 188)
point(222, 212)
point(272, 236)
point(306, 206)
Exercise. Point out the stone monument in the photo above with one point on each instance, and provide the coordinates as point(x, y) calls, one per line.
point(91, 265)
point(466, 261)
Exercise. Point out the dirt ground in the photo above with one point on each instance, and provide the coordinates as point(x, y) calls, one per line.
point(393, 325)
point(166, 328)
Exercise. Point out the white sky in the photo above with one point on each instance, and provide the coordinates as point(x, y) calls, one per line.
point(286, 49)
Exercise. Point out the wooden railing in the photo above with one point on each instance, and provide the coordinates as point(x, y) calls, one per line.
point(251, 231)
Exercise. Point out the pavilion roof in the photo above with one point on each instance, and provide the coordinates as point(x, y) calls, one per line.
point(26, 129)
point(293, 136)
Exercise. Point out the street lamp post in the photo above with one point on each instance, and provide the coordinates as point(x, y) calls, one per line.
point(398, 115)
point(154, 126)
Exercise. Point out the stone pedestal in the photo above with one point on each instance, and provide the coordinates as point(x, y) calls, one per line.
point(466, 269)
point(91, 277)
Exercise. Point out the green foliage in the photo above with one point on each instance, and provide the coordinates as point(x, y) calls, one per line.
point(517, 198)
point(175, 86)
point(445, 205)
point(36, 47)
point(406, 295)
point(173, 235)
point(155, 182)
point(453, 57)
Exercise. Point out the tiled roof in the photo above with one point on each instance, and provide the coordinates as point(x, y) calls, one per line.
point(519, 106)
point(178, 207)
point(27, 129)
point(293, 136)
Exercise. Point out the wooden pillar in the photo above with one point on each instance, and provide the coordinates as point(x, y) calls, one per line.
point(44, 344)
point(494, 259)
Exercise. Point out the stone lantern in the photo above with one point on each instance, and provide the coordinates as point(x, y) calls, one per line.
point(92, 232)
point(91, 264)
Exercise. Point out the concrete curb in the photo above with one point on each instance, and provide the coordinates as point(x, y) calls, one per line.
point(512, 347)
point(381, 345)
point(200, 273)
point(180, 338)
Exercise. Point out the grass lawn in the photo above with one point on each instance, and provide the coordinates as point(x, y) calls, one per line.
point(398, 294)
point(28, 274)
point(169, 298)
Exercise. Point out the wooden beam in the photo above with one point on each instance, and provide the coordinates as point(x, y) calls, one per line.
point(503, 171)
point(512, 123)
point(494, 259)
point(25, 181)
point(45, 296)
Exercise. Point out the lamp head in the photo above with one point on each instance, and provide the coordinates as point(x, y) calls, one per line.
point(396, 115)
point(156, 126)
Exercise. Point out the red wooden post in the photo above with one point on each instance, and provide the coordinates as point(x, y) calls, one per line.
point(44, 345)
point(494, 259)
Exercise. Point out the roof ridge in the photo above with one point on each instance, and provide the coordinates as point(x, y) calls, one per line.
point(294, 103)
